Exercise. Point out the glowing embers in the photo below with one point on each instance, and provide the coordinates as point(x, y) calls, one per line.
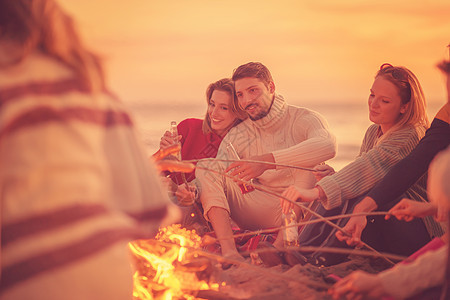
point(168, 266)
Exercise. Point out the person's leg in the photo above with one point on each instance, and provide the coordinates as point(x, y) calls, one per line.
point(212, 188)
point(220, 220)
point(394, 236)
point(323, 234)
point(252, 211)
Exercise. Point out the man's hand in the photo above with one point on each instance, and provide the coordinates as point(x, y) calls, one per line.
point(247, 171)
point(294, 193)
point(407, 210)
point(358, 285)
point(323, 170)
point(354, 227)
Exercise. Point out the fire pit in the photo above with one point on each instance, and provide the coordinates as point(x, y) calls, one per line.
point(173, 266)
point(169, 266)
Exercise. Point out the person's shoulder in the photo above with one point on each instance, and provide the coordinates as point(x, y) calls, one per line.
point(189, 126)
point(303, 112)
point(191, 122)
point(29, 70)
point(444, 113)
point(245, 126)
point(299, 109)
point(406, 134)
point(413, 130)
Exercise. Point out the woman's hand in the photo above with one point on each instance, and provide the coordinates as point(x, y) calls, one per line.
point(168, 140)
point(295, 194)
point(322, 170)
point(358, 285)
point(407, 210)
point(186, 195)
point(356, 224)
point(354, 227)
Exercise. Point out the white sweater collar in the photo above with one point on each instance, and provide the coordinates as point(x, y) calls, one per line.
point(275, 114)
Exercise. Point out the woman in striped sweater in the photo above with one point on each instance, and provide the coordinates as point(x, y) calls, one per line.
point(397, 107)
point(406, 172)
point(75, 184)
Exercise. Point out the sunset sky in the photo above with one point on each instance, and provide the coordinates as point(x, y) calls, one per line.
point(318, 50)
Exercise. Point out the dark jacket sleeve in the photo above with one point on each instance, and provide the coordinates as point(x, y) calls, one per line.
point(406, 172)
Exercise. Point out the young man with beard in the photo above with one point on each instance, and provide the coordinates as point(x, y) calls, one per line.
point(275, 132)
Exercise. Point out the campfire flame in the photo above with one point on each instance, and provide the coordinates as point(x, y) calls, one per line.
point(167, 267)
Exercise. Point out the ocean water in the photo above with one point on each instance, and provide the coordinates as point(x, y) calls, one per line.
point(347, 121)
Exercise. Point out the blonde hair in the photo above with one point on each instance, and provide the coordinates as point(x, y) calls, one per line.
point(411, 94)
point(41, 25)
point(224, 85)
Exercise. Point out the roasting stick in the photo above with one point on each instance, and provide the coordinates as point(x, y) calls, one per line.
point(186, 166)
point(249, 161)
point(376, 213)
point(330, 250)
point(268, 191)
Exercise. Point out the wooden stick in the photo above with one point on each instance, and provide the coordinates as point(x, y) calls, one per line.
point(256, 232)
point(263, 189)
point(330, 250)
point(249, 161)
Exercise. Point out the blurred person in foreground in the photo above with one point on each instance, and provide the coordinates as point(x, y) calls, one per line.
point(430, 269)
point(397, 108)
point(75, 185)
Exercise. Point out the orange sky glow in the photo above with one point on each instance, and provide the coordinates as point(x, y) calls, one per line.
point(318, 50)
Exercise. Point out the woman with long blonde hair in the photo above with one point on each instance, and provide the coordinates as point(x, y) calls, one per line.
point(397, 107)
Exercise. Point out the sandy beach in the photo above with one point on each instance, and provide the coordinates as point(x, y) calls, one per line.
point(285, 282)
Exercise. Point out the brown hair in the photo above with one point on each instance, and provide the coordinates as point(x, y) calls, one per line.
point(42, 25)
point(255, 70)
point(224, 85)
point(410, 92)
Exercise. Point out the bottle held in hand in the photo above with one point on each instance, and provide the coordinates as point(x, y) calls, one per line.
point(174, 132)
point(245, 188)
point(290, 234)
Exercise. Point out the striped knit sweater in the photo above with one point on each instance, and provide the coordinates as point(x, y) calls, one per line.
point(374, 161)
point(75, 187)
point(415, 165)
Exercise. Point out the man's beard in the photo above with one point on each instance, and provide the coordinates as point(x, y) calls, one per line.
point(259, 116)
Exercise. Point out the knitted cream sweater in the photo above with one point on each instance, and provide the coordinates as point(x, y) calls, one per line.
point(295, 136)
